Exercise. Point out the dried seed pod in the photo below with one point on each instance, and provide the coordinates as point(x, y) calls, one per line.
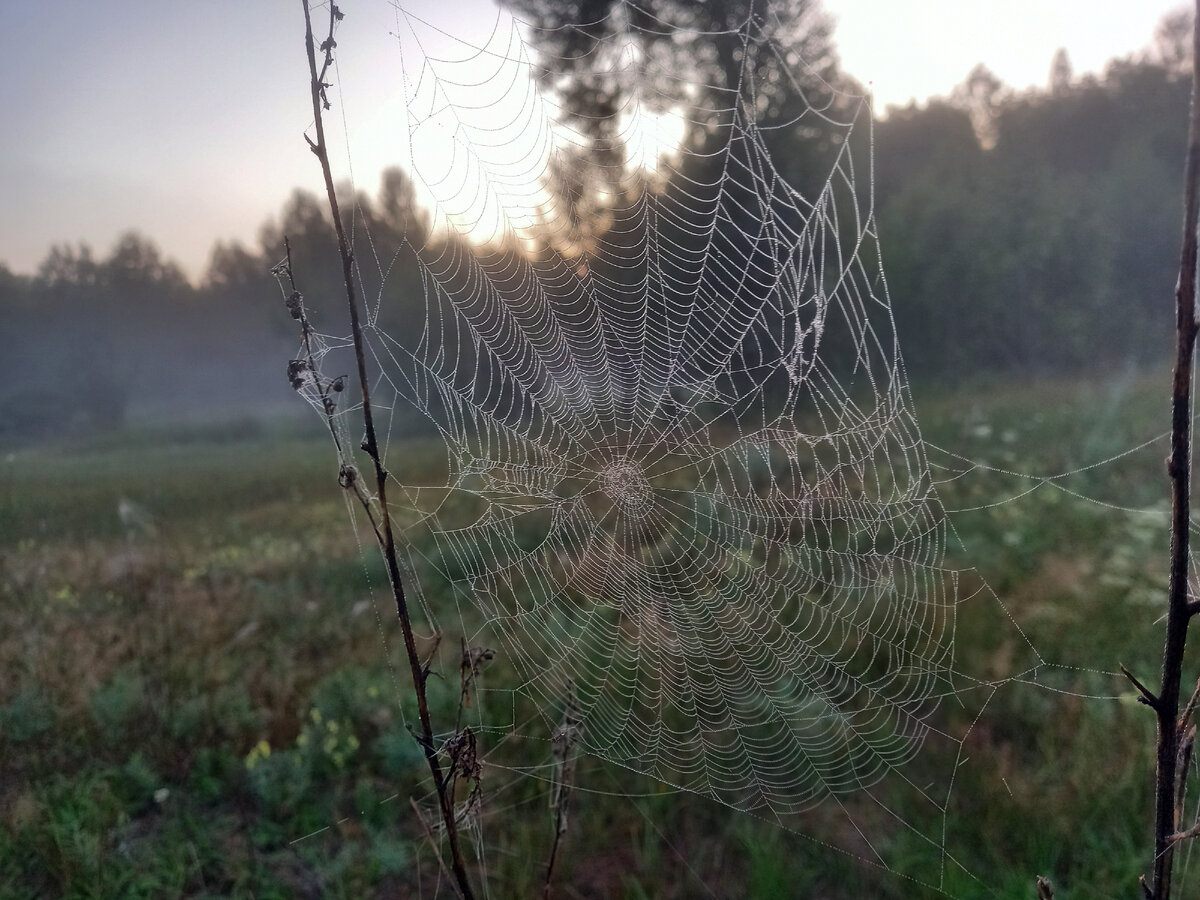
point(295, 372)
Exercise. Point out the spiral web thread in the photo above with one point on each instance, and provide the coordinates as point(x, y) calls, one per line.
point(685, 482)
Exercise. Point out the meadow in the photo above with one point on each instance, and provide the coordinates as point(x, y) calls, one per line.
point(197, 695)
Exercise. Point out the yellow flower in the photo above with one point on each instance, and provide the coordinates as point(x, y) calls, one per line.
point(260, 752)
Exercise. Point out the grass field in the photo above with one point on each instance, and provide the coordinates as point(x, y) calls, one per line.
point(197, 699)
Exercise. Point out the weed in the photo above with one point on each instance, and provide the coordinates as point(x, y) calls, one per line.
point(151, 689)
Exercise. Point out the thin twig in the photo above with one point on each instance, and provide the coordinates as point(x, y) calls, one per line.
point(1178, 836)
point(565, 739)
point(432, 843)
point(371, 446)
point(306, 372)
point(1186, 746)
point(469, 668)
point(1185, 718)
point(1187, 738)
point(1147, 696)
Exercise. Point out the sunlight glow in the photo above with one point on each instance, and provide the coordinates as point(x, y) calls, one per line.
point(481, 136)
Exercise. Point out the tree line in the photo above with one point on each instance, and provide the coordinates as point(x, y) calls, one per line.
point(1022, 233)
point(1037, 232)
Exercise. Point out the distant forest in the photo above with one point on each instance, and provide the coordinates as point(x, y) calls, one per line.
point(1023, 233)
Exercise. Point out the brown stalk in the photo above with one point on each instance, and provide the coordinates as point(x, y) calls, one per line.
point(1186, 747)
point(1178, 469)
point(565, 738)
point(1187, 744)
point(306, 370)
point(370, 445)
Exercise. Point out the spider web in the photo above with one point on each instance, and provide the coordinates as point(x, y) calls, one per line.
point(685, 486)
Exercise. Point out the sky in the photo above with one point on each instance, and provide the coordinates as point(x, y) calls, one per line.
point(184, 121)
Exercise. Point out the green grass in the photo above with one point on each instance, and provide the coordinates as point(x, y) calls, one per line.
point(200, 702)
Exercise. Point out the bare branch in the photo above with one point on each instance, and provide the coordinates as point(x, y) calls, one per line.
point(1147, 696)
point(433, 844)
point(1178, 836)
point(1179, 610)
point(383, 528)
point(1185, 719)
point(1186, 746)
point(565, 738)
point(469, 668)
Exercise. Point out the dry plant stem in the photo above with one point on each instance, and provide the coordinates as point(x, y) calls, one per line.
point(1192, 832)
point(429, 835)
point(306, 337)
point(560, 831)
point(1185, 719)
point(565, 739)
point(1178, 468)
point(1187, 745)
point(370, 445)
point(348, 475)
point(464, 682)
point(1146, 695)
